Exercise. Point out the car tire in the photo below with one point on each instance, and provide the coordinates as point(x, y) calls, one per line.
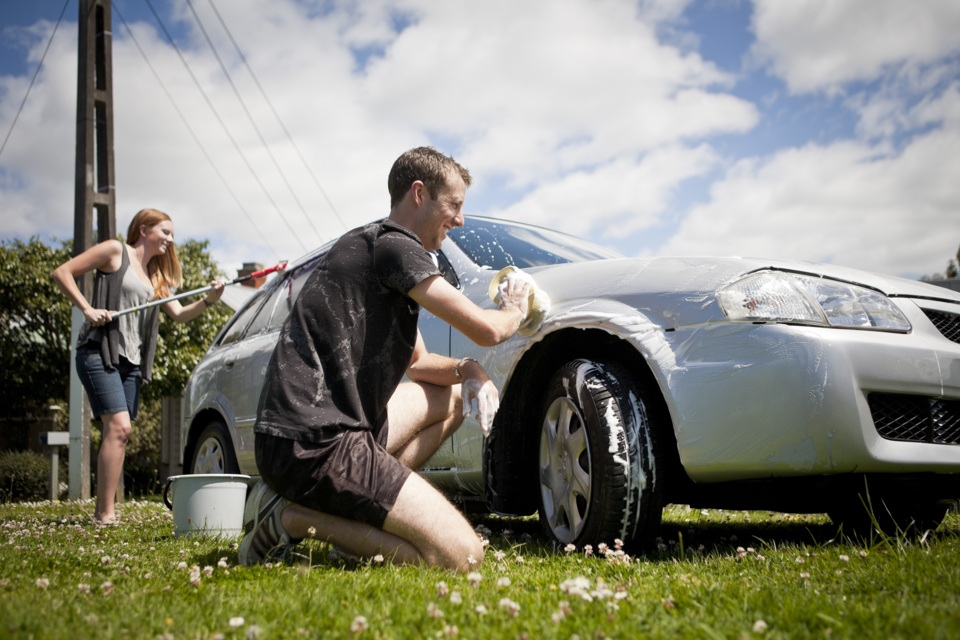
point(893, 513)
point(597, 458)
point(213, 452)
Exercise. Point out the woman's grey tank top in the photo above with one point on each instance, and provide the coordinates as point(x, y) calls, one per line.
point(133, 292)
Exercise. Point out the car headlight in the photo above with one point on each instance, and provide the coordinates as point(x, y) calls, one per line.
point(776, 296)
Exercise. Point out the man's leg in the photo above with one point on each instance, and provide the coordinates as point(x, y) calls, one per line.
point(421, 417)
point(421, 528)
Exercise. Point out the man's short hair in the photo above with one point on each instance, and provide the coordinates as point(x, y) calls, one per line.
point(427, 165)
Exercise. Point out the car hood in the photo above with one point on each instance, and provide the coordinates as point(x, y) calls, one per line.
point(675, 292)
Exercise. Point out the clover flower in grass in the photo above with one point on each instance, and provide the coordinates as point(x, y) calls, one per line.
point(253, 632)
point(455, 597)
point(844, 558)
point(503, 582)
point(474, 579)
point(42, 583)
point(563, 610)
point(107, 588)
point(182, 566)
point(83, 588)
point(223, 564)
point(570, 548)
point(448, 631)
point(434, 611)
point(359, 624)
point(499, 556)
point(208, 571)
point(481, 610)
point(759, 626)
point(236, 621)
point(378, 559)
point(442, 589)
point(588, 550)
point(513, 609)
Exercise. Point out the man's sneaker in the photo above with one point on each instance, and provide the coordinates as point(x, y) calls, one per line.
point(262, 529)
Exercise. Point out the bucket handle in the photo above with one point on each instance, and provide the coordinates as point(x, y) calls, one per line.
point(166, 499)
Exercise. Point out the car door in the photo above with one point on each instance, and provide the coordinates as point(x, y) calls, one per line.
point(245, 365)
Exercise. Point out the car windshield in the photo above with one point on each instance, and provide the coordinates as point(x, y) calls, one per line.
point(498, 244)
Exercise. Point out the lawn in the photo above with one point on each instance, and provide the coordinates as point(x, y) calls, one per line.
point(715, 574)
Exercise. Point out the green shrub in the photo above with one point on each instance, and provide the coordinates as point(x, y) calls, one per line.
point(24, 476)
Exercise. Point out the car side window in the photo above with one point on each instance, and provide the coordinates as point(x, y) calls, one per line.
point(287, 292)
point(235, 329)
point(266, 310)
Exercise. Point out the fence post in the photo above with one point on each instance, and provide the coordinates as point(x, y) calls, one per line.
point(170, 424)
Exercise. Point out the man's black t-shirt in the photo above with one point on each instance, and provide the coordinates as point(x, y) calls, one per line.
point(349, 338)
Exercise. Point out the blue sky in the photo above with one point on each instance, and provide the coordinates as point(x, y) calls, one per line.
point(820, 130)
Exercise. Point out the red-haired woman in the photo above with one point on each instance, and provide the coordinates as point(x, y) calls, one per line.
point(115, 355)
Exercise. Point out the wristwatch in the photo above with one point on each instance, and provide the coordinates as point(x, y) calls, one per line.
point(456, 370)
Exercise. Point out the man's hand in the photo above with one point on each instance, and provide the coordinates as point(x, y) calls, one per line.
point(487, 401)
point(514, 291)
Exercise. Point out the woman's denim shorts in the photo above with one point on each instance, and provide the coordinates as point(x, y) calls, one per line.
point(110, 390)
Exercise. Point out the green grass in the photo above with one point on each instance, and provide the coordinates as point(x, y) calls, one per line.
point(791, 572)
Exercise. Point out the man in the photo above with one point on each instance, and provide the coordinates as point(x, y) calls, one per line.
point(338, 434)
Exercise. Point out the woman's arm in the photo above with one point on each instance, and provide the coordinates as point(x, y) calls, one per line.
point(106, 257)
point(186, 313)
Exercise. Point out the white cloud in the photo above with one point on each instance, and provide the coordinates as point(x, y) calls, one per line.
point(848, 203)
point(820, 45)
point(542, 95)
point(613, 200)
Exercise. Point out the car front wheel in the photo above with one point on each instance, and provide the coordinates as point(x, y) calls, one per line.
point(597, 457)
point(213, 452)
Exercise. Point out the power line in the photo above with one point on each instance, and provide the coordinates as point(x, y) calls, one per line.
point(224, 126)
point(253, 122)
point(263, 93)
point(192, 133)
point(34, 79)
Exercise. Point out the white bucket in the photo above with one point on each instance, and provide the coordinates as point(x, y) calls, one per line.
point(207, 504)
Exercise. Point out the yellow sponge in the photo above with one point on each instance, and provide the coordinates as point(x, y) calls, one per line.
point(538, 302)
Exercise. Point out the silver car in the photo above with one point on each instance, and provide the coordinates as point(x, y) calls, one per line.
point(715, 382)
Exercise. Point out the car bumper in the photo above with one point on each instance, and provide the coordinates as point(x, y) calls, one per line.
point(753, 401)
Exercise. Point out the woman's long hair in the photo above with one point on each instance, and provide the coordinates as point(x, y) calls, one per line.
point(163, 269)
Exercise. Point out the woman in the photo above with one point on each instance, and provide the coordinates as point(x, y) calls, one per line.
point(114, 355)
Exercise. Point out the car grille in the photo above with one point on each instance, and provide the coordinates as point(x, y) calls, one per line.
point(946, 323)
point(915, 418)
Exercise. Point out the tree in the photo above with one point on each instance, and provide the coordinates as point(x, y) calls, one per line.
point(953, 270)
point(180, 346)
point(34, 327)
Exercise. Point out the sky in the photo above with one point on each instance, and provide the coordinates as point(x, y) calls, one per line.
point(818, 130)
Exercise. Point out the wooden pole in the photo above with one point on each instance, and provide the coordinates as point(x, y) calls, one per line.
point(94, 191)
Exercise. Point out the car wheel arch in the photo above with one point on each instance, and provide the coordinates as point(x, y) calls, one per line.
point(201, 421)
point(506, 465)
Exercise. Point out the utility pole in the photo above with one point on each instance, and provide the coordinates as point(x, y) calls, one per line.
point(94, 191)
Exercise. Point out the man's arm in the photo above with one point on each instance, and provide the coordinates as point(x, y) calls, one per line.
point(476, 387)
point(485, 327)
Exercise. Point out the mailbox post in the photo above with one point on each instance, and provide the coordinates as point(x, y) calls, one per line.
point(55, 440)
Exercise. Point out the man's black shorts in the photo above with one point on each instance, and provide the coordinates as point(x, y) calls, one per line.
point(352, 477)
